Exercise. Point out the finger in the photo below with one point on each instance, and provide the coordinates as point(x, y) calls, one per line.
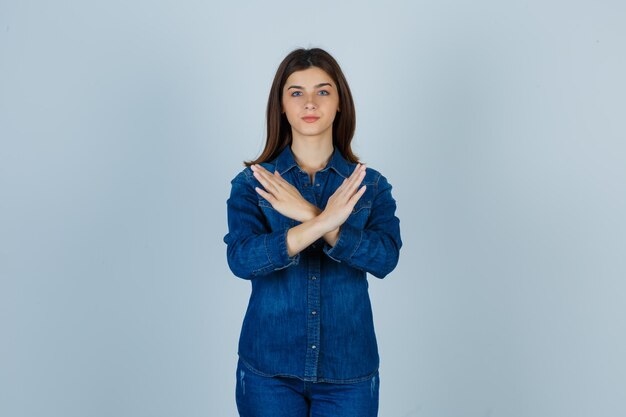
point(353, 200)
point(274, 182)
point(266, 181)
point(260, 170)
point(265, 172)
point(274, 178)
point(349, 192)
point(280, 180)
point(269, 197)
point(358, 168)
point(257, 167)
point(358, 171)
point(355, 171)
point(355, 181)
point(341, 187)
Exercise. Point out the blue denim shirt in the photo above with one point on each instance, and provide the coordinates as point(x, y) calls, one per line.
point(309, 315)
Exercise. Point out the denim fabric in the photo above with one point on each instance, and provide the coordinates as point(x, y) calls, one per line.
point(261, 396)
point(309, 316)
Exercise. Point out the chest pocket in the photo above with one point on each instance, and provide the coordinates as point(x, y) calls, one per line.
point(275, 220)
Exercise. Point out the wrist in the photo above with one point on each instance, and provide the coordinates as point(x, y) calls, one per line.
point(333, 236)
point(311, 213)
point(322, 222)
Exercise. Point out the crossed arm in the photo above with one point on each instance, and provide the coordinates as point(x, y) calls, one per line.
point(254, 251)
point(315, 223)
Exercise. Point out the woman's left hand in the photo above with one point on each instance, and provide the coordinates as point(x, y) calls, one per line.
point(284, 197)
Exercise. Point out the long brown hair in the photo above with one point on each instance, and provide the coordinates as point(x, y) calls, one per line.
point(278, 127)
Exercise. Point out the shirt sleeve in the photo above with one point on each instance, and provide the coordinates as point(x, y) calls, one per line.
point(252, 249)
point(376, 248)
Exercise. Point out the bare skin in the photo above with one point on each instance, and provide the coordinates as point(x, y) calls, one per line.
point(310, 92)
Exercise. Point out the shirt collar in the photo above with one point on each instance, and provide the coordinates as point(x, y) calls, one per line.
point(285, 161)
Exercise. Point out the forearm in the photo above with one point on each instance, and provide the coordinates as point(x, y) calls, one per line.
point(376, 252)
point(331, 236)
point(256, 255)
point(301, 236)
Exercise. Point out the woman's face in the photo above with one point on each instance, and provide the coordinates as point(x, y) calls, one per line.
point(310, 100)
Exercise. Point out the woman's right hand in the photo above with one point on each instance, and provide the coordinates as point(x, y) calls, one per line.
point(343, 200)
point(284, 197)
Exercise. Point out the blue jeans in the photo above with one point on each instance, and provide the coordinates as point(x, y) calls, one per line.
point(260, 396)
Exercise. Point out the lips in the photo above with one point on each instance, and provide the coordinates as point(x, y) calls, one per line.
point(310, 119)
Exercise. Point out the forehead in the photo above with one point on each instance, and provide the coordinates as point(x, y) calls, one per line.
point(309, 77)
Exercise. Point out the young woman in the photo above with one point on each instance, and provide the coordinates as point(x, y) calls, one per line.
point(306, 222)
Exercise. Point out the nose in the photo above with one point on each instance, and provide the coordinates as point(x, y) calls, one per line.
point(310, 104)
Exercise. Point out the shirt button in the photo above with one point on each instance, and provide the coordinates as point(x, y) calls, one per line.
point(314, 312)
point(317, 185)
point(313, 347)
point(313, 277)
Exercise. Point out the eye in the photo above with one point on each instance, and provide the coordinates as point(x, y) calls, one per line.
point(324, 93)
point(296, 93)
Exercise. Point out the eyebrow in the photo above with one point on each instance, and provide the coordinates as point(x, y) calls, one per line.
point(317, 86)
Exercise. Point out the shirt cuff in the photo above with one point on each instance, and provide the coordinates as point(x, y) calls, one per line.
point(276, 248)
point(347, 243)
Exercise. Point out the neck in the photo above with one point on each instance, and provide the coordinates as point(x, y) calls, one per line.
point(312, 155)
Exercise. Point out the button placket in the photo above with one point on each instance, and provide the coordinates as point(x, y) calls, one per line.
point(310, 191)
point(313, 319)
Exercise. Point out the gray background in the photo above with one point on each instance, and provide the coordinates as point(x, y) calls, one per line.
point(499, 124)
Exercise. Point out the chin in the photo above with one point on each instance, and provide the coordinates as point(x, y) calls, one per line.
point(314, 130)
